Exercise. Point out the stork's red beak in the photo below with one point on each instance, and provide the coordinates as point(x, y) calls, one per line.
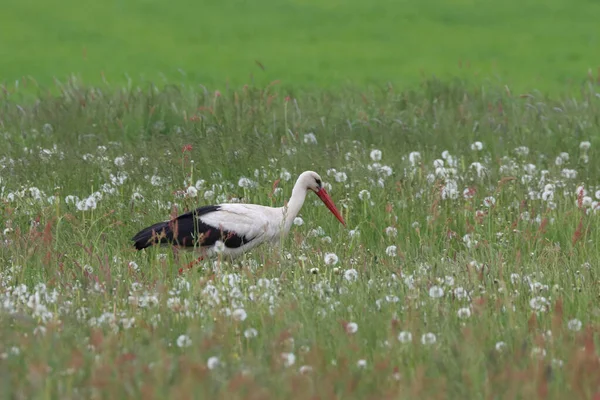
point(329, 203)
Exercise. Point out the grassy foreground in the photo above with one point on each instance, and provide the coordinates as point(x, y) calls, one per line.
point(321, 43)
point(469, 268)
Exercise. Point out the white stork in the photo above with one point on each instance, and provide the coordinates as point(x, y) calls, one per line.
point(232, 228)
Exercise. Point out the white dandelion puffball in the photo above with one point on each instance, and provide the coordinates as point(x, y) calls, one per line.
point(375, 155)
point(477, 146)
point(391, 251)
point(350, 275)
point(574, 325)
point(310, 138)
point(391, 231)
point(405, 337)
point(428, 338)
point(351, 327)
point(212, 362)
point(361, 363)
point(288, 359)
point(192, 191)
point(364, 195)
point(585, 145)
point(298, 221)
point(464, 313)
point(250, 333)
point(331, 258)
point(184, 341)
point(239, 314)
point(436, 292)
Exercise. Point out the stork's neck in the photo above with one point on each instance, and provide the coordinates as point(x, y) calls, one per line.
point(291, 210)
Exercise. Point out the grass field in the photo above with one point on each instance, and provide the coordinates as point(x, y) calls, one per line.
point(469, 267)
point(525, 44)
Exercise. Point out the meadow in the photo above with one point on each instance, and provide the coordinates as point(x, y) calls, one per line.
point(550, 46)
point(468, 268)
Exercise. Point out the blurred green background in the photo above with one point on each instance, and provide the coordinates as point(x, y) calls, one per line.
point(547, 45)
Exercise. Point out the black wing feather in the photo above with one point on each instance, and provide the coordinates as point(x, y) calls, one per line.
point(187, 230)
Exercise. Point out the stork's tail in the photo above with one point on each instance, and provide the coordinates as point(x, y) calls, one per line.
point(154, 234)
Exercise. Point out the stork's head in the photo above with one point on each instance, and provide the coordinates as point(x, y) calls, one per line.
point(312, 181)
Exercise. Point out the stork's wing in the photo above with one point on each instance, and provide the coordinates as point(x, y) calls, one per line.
point(234, 224)
point(237, 224)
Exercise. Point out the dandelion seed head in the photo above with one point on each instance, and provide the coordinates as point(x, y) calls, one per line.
point(428, 338)
point(331, 259)
point(436, 292)
point(184, 341)
point(351, 327)
point(376, 155)
point(405, 337)
point(213, 362)
point(574, 325)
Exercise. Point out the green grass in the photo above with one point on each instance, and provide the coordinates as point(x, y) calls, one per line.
point(85, 315)
point(523, 44)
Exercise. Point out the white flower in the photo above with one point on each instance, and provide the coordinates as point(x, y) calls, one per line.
point(305, 369)
point(436, 292)
point(522, 151)
point(213, 362)
point(476, 146)
point(364, 195)
point(351, 327)
point(341, 177)
point(361, 363)
point(574, 325)
point(585, 145)
point(539, 303)
point(331, 258)
point(120, 161)
point(245, 182)
point(192, 191)
point(298, 221)
point(310, 138)
point(414, 158)
point(350, 275)
point(391, 251)
point(219, 246)
point(500, 346)
point(184, 341)
point(391, 231)
point(405, 337)
point(460, 293)
point(250, 333)
point(428, 338)
point(288, 359)
point(239, 314)
point(489, 201)
point(538, 352)
point(376, 155)
point(285, 175)
point(450, 190)
point(464, 313)
point(209, 194)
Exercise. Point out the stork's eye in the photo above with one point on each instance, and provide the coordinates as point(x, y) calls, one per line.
point(318, 182)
